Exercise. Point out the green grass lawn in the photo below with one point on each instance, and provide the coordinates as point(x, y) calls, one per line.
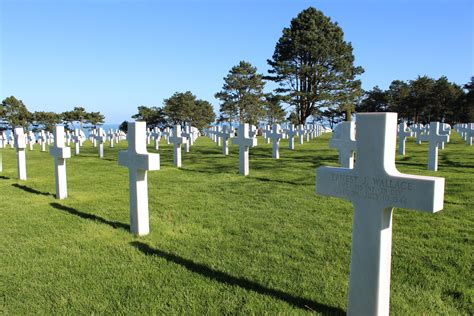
point(221, 243)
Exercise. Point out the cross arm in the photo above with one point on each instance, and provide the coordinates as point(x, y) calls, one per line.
point(147, 162)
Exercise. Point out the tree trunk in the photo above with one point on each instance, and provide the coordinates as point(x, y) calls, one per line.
point(348, 115)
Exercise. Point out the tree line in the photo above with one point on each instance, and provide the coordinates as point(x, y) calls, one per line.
point(14, 113)
point(180, 108)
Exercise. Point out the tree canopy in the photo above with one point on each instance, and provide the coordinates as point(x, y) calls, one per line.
point(242, 95)
point(314, 66)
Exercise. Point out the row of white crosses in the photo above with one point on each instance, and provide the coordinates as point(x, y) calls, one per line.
point(466, 131)
point(375, 187)
point(246, 139)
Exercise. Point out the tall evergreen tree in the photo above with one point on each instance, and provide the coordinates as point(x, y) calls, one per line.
point(274, 111)
point(314, 66)
point(242, 94)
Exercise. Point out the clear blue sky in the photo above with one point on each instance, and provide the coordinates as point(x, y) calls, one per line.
point(112, 56)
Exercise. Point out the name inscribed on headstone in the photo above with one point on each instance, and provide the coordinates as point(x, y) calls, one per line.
point(375, 189)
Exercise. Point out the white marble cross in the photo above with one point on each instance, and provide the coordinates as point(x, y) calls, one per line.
point(60, 153)
point(20, 145)
point(177, 140)
point(403, 133)
point(469, 133)
point(156, 134)
point(434, 139)
point(100, 139)
point(225, 134)
point(244, 141)
point(445, 129)
point(301, 133)
point(290, 132)
point(166, 135)
point(267, 132)
point(343, 140)
point(276, 135)
point(42, 140)
point(375, 187)
point(217, 133)
point(187, 134)
point(111, 136)
point(76, 138)
point(31, 139)
point(138, 161)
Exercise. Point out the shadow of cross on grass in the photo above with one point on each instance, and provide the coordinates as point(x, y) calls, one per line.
point(93, 217)
point(240, 282)
point(31, 190)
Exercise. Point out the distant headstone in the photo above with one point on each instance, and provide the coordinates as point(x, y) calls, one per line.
point(20, 145)
point(434, 139)
point(290, 132)
point(177, 140)
point(60, 153)
point(138, 161)
point(301, 133)
point(42, 140)
point(225, 134)
point(403, 133)
point(343, 139)
point(76, 138)
point(111, 136)
point(375, 187)
point(31, 139)
point(100, 140)
point(156, 134)
point(276, 135)
point(244, 141)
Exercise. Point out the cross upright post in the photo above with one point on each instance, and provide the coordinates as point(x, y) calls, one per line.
point(138, 161)
point(343, 140)
point(60, 152)
point(375, 187)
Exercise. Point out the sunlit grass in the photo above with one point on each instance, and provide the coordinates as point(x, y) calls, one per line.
point(220, 242)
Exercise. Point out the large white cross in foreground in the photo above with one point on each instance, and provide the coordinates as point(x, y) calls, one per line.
point(60, 154)
point(374, 187)
point(138, 161)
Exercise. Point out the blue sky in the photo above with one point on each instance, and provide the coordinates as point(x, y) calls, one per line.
point(112, 56)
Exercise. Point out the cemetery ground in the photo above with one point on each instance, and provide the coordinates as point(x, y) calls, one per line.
point(221, 242)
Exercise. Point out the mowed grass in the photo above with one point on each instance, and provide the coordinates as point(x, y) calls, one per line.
point(221, 243)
